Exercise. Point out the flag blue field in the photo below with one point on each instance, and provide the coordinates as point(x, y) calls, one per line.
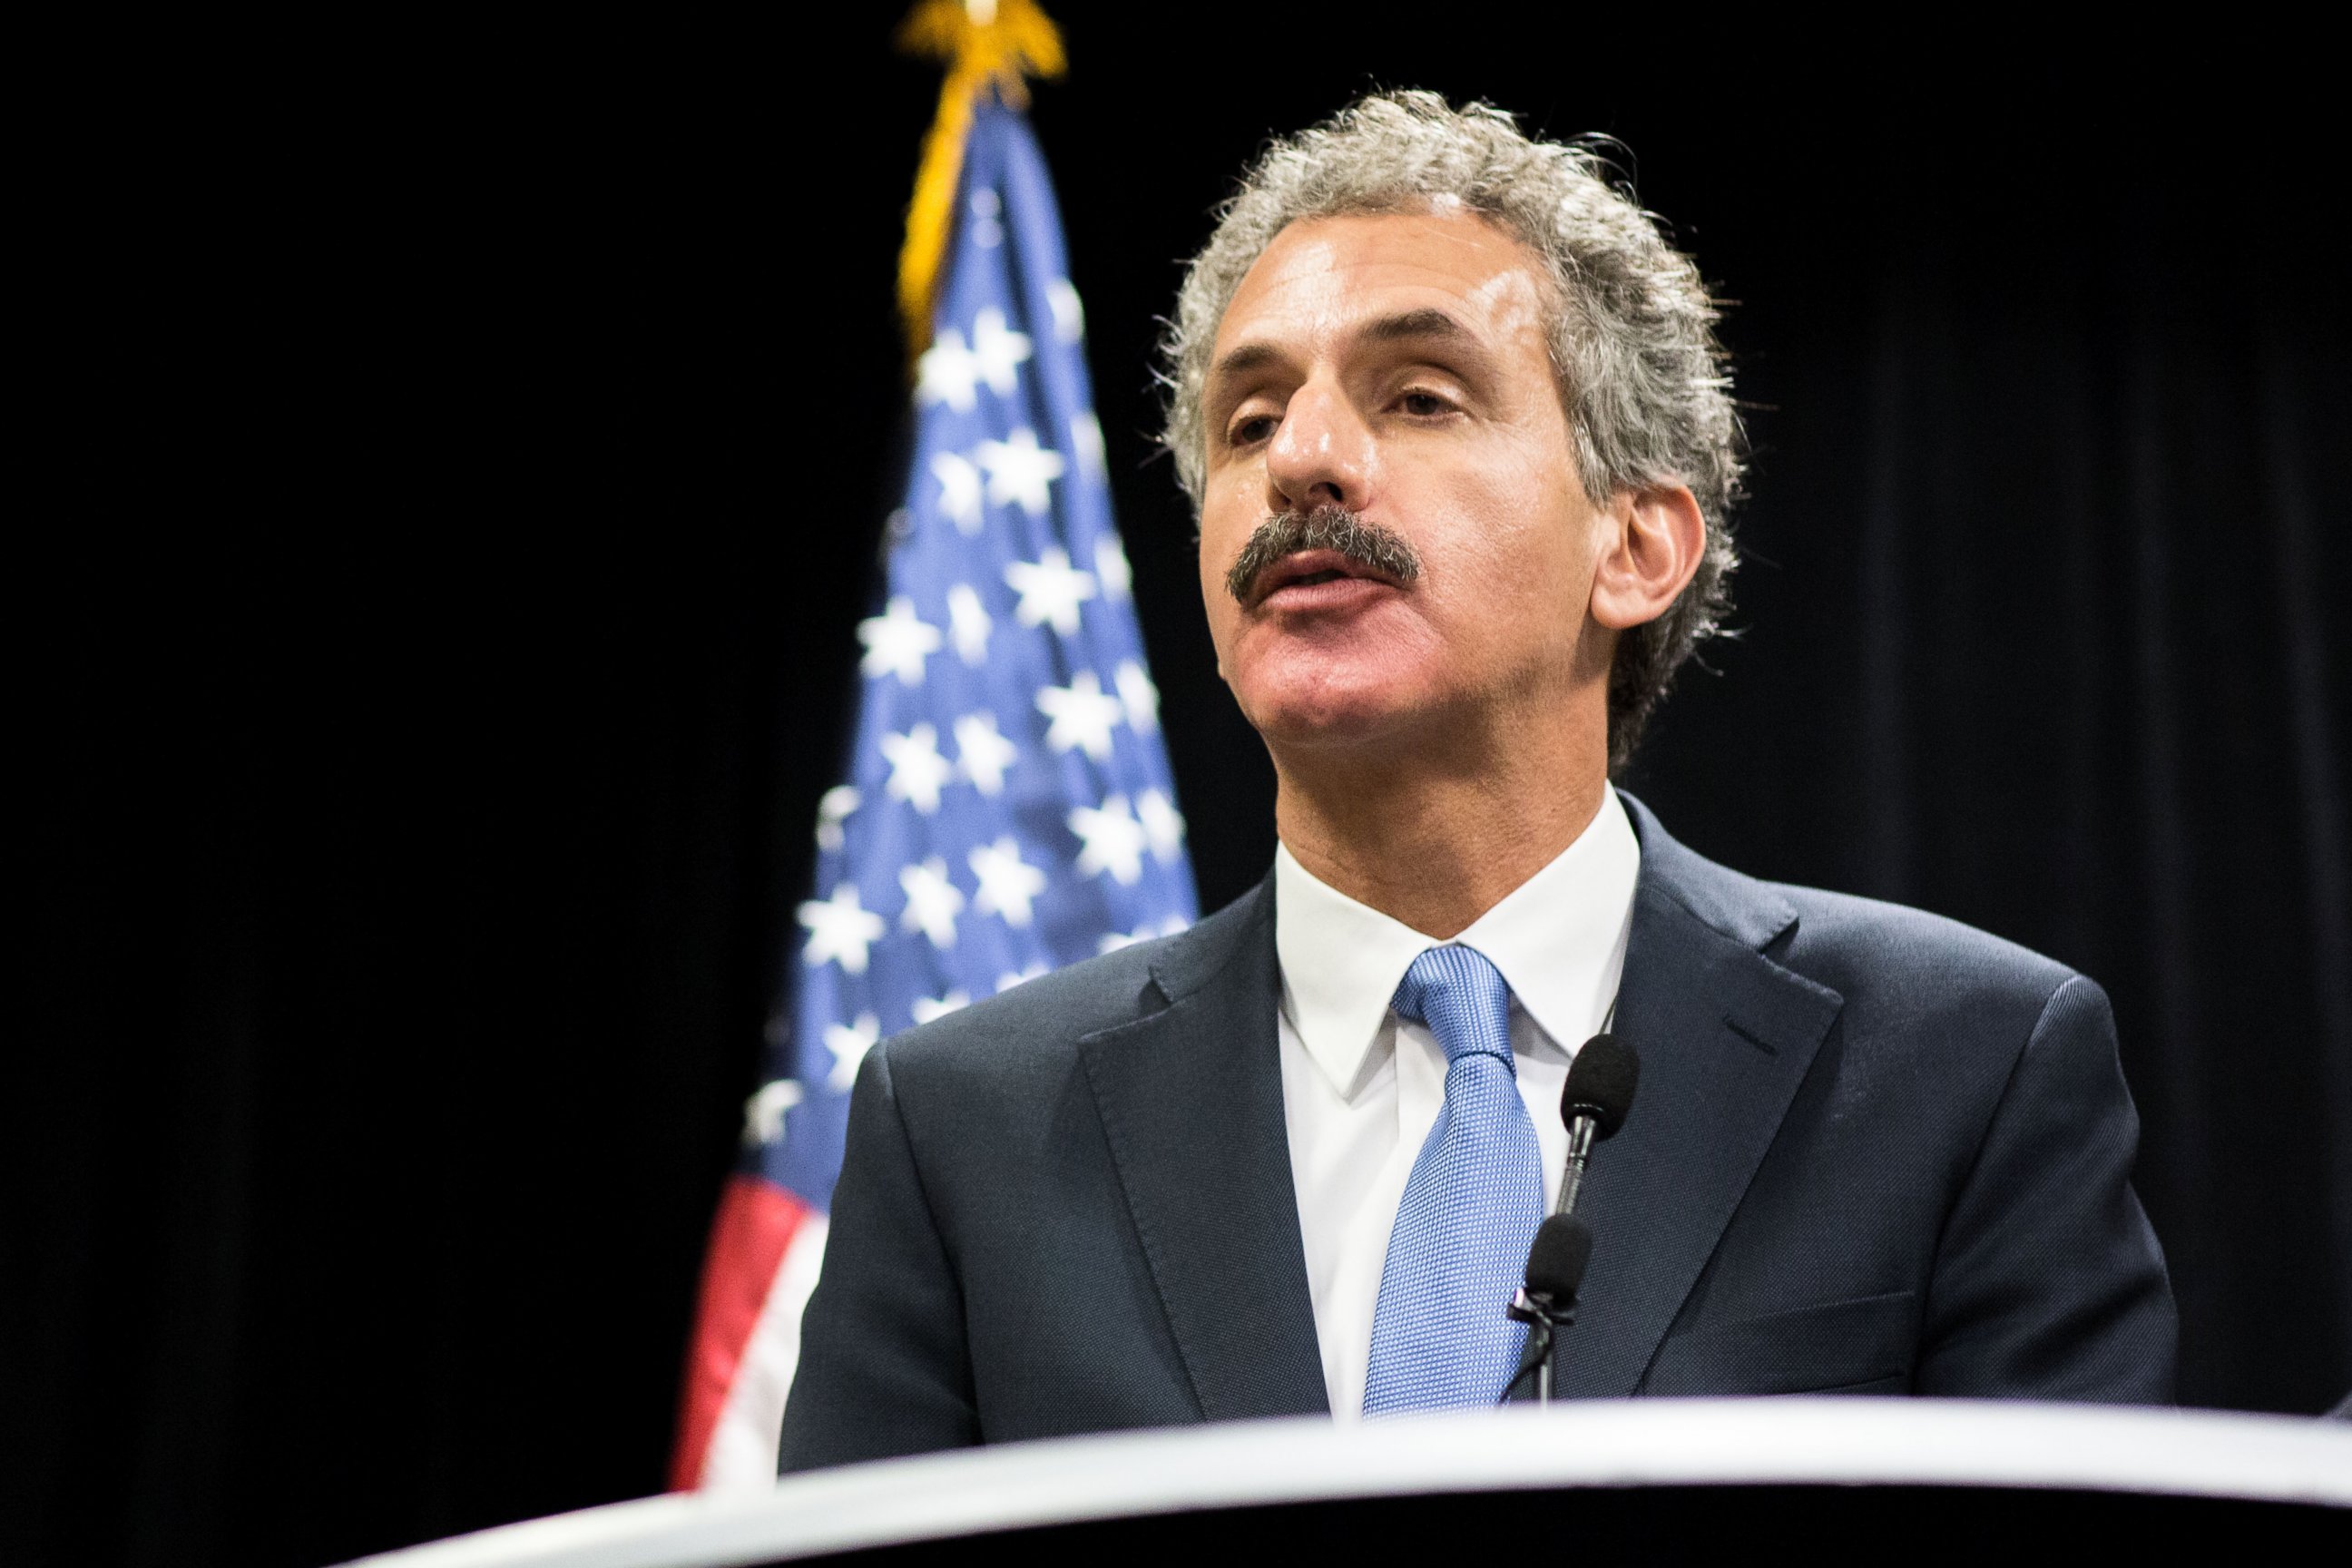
point(1008, 806)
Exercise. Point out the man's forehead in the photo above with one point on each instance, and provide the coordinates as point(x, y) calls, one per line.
point(1382, 277)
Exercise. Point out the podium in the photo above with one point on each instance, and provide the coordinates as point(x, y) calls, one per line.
point(1587, 1483)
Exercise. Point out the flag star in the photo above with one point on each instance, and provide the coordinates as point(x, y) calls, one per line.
point(998, 353)
point(1069, 315)
point(849, 1043)
point(1111, 941)
point(959, 491)
point(1086, 441)
point(981, 754)
point(763, 1113)
point(917, 769)
point(1007, 883)
point(839, 929)
point(926, 1008)
point(1111, 567)
point(968, 624)
point(947, 373)
point(932, 901)
point(833, 809)
point(1019, 470)
point(1051, 590)
point(1139, 697)
point(985, 231)
point(897, 642)
point(1112, 839)
point(1008, 980)
point(1174, 925)
point(1082, 715)
point(1163, 825)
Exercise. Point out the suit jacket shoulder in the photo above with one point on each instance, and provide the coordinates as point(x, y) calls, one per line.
point(1844, 941)
point(1921, 962)
point(1067, 1209)
point(1040, 1021)
point(1961, 1002)
point(1004, 1050)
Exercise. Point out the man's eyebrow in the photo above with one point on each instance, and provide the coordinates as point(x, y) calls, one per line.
point(1248, 357)
point(1427, 323)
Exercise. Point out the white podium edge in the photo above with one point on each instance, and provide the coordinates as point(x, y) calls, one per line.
point(1589, 1444)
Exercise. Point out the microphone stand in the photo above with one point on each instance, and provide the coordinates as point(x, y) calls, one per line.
point(1581, 1131)
point(1600, 1085)
point(1544, 1317)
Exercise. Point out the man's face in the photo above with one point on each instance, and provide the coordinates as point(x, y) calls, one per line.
point(1395, 366)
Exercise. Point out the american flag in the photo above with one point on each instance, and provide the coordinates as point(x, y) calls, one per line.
point(1008, 807)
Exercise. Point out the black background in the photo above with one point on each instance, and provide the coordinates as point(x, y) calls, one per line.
point(464, 469)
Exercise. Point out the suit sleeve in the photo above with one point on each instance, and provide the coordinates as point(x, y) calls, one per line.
point(2048, 1280)
point(884, 1366)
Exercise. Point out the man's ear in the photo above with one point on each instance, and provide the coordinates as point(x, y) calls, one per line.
point(1651, 542)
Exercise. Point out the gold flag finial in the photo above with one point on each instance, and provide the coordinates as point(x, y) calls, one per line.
point(986, 43)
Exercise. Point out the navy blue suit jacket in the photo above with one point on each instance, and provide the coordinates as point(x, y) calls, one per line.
point(1874, 1152)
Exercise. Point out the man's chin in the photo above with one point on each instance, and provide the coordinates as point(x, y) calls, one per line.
point(1336, 719)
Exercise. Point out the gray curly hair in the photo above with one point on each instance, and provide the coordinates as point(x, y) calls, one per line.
point(1632, 337)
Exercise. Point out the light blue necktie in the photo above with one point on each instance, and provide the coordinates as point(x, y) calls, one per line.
point(1440, 1337)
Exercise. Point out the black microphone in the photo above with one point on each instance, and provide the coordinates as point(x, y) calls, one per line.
point(1547, 1304)
point(1556, 1262)
point(1599, 1093)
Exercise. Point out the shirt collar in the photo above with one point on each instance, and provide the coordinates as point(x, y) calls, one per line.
point(1558, 939)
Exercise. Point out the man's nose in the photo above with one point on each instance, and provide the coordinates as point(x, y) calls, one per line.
point(1321, 453)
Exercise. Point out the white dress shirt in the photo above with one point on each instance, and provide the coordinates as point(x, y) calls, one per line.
point(1361, 1088)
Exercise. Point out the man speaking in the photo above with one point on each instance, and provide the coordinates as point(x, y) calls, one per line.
point(1459, 433)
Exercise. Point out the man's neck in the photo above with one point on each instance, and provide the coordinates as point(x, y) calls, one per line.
point(1437, 839)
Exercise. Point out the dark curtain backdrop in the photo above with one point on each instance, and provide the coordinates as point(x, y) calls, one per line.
point(462, 477)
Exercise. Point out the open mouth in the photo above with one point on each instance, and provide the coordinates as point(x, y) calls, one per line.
point(1312, 568)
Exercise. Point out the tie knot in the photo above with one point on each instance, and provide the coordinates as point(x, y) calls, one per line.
point(1461, 996)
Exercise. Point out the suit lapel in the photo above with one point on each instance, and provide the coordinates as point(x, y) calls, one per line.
point(1725, 1037)
point(1190, 1099)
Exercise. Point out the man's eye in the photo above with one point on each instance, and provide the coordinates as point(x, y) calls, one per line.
point(1422, 405)
point(1256, 429)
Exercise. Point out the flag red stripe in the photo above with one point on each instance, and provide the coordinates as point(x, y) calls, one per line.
point(756, 1222)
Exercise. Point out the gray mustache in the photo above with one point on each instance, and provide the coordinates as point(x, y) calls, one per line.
point(1326, 528)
